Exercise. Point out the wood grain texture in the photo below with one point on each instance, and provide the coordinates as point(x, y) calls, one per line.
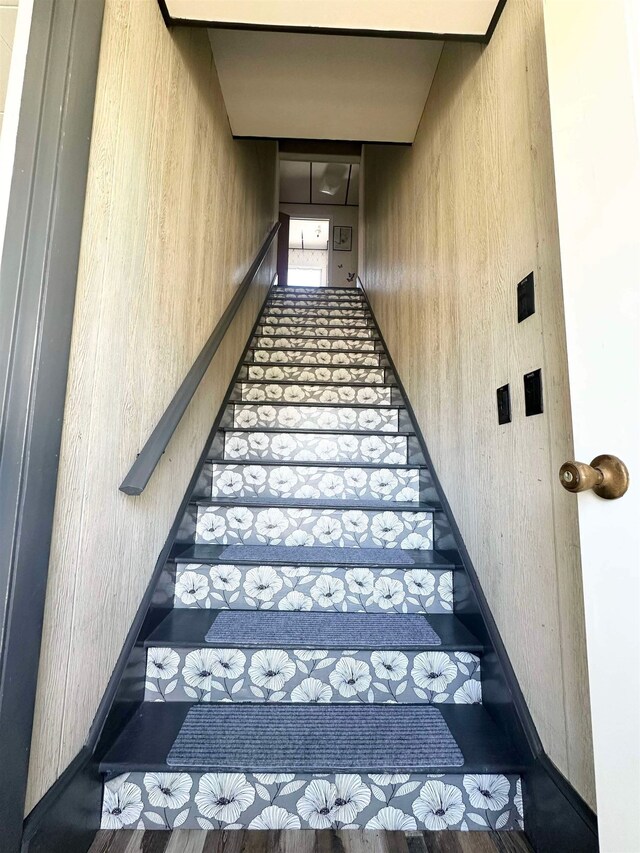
point(175, 212)
point(308, 841)
point(451, 226)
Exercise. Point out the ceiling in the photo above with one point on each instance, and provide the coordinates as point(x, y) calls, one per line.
point(469, 18)
point(303, 182)
point(302, 86)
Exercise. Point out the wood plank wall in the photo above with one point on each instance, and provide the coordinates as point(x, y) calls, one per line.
point(450, 226)
point(175, 213)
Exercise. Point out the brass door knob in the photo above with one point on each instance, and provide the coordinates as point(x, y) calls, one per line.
point(607, 476)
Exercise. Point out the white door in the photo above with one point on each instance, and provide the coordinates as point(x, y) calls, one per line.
point(594, 86)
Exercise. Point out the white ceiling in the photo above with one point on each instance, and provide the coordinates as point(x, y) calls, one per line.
point(453, 17)
point(303, 182)
point(301, 86)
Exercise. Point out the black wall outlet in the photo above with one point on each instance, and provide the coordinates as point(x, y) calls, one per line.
point(504, 405)
point(526, 298)
point(533, 393)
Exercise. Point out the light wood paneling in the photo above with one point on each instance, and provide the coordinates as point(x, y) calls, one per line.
point(175, 212)
point(451, 226)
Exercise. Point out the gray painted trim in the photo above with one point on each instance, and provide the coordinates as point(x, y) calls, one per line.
point(145, 464)
point(38, 272)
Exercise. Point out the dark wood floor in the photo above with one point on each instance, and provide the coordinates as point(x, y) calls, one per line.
point(305, 841)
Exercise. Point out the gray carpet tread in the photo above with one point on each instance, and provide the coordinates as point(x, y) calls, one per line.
point(186, 627)
point(281, 555)
point(146, 740)
point(307, 738)
point(334, 631)
point(326, 554)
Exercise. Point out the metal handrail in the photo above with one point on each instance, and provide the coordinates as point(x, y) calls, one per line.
point(145, 464)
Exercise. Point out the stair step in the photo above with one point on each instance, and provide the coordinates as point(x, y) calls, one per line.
point(373, 558)
point(311, 588)
point(311, 446)
point(325, 374)
point(309, 522)
point(146, 741)
point(299, 330)
point(224, 628)
point(256, 415)
point(260, 655)
point(360, 312)
point(313, 357)
point(309, 323)
point(318, 392)
point(313, 343)
point(331, 302)
point(303, 318)
point(318, 292)
point(232, 479)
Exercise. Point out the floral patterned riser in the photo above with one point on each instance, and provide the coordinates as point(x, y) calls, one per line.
point(328, 394)
point(359, 375)
point(318, 588)
point(317, 305)
point(314, 331)
point(314, 299)
point(287, 481)
point(295, 527)
point(337, 358)
point(303, 319)
point(279, 675)
point(315, 447)
point(401, 802)
point(340, 294)
point(313, 311)
point(309, 298)
point(315, 417)
point(263, 342)
point(350, 299)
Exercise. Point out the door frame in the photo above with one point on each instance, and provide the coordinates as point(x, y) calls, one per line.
point(328, 219)
point(38, 270)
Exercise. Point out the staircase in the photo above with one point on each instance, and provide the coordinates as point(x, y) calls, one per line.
point(312, 669)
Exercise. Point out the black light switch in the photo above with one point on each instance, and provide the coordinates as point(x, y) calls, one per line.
point(504, 405)
point(526, 298)
point(533, 393)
